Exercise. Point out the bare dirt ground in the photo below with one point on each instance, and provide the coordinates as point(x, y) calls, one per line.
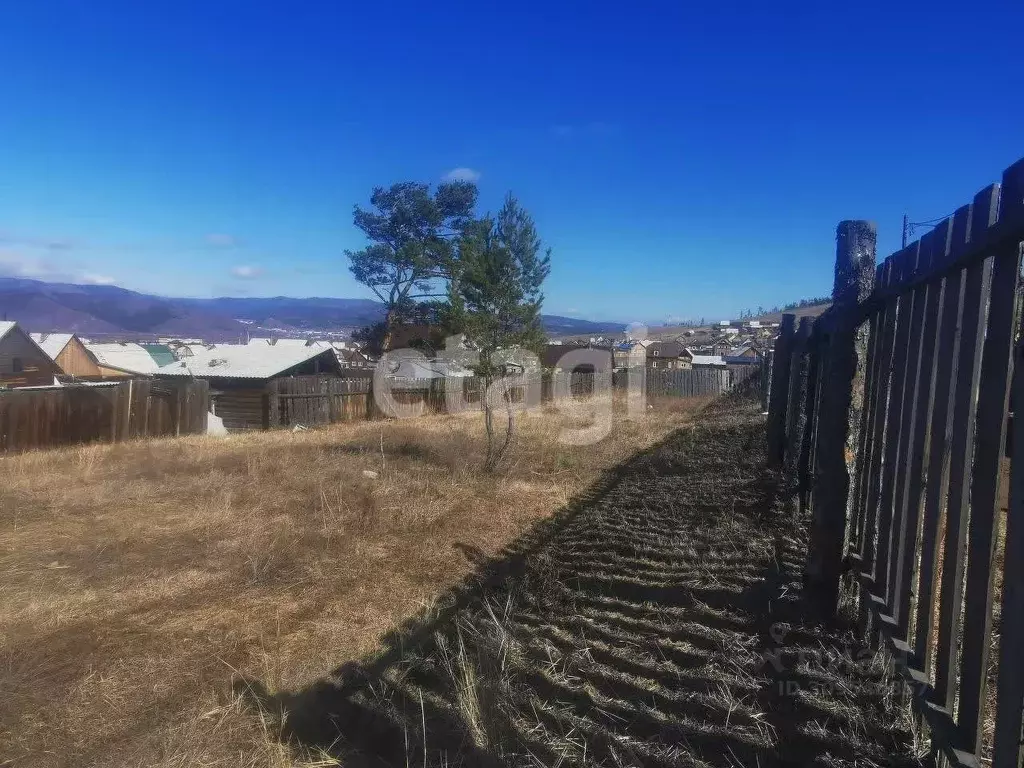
point(657, 621)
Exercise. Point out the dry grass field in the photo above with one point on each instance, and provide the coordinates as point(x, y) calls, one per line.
point(659, 622)
point(138, 580)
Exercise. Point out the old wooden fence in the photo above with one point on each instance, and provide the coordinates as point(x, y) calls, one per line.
point(313, 400)
point(890, 415)
point(109, 412)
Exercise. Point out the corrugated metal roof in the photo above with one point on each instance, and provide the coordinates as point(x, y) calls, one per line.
point(52, 343)
point(738, 351)
point(411, 368)
point(243, 361)
point(706, 359)
point(132, 358)
point(6, 326)
point(288, 343)
point(161, 353)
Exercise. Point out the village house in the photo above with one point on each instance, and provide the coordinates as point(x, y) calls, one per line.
point(628, 354)
point(552, 358)
point(410, 367)
point(355, 360)
point(239, 375)
point(123, 360)
point(69, 353)
point(22, 362)
point(667, 355)
point(744, 352)
point(706, 361)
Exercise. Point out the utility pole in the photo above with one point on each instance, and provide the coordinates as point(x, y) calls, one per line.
point(906, 228)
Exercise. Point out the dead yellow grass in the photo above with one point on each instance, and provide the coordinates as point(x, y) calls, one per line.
point(137, 580)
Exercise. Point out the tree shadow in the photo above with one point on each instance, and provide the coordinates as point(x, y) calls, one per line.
point(656, 620)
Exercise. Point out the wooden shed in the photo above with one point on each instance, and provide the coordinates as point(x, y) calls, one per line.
point(22, 362)
point(239, 376)
point(68, 352)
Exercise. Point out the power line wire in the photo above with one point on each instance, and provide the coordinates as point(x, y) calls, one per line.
point(909, 226)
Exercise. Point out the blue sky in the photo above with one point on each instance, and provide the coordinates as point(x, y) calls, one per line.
point(681, 162)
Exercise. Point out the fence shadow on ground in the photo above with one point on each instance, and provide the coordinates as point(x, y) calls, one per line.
point(657, 620)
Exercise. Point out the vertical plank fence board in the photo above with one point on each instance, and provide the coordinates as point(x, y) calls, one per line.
point(865, 431)
point(1007, 750)
point(879, 412)
point(1007, 740)
point(776, 428)
point(972, 330)
point(904, 266)
point(939, 451)
point(915, 423)
point(990, 437)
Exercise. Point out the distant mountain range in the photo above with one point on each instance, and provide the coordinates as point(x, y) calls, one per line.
point(106, 310)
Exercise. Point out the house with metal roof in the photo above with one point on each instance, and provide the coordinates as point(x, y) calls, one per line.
point(250, 361)
point(239, 375)
point(125, 359)
point(23, 363)
point(422, 368)
point(745, 354)
point(275, 342)
point(68, 352)
point(705, 361)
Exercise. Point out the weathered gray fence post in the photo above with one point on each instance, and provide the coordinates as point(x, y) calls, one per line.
point(777, 404)
point(766, 378)
point(854, 281)
point(805, 460)
point(796, 417)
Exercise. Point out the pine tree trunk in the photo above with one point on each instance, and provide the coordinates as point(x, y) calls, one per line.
point(489, 462)
point(389, 324)
point(510, 432)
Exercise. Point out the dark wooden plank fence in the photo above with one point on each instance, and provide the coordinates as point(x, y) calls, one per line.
point(693, 382)
point(73, 414)
point(316, 400)
point(903, 425)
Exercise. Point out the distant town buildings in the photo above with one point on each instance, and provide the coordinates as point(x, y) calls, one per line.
point(45, 358)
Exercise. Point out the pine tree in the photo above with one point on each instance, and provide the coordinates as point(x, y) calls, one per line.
point(498, 299)
point(413, 250)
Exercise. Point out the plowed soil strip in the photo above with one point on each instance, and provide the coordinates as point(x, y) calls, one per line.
point(661, 623)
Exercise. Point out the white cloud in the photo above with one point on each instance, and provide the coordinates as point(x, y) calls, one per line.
point(221, 240)
point(16, 265)
point(31, 267)
point(462, 174)
point(247, 271)
point(91, 278)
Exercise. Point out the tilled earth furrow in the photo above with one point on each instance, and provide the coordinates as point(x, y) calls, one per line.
point(661, 623)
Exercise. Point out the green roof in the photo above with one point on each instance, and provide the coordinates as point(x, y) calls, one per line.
point(161, 353)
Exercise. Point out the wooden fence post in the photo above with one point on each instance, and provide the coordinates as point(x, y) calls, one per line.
point(796, 415)
point(177, 410)
point(805, 459)
point(777, 405)
point(854, 280)
point(1008, 751)
point(273, 405)
point(126, 411)
point(766, 379)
